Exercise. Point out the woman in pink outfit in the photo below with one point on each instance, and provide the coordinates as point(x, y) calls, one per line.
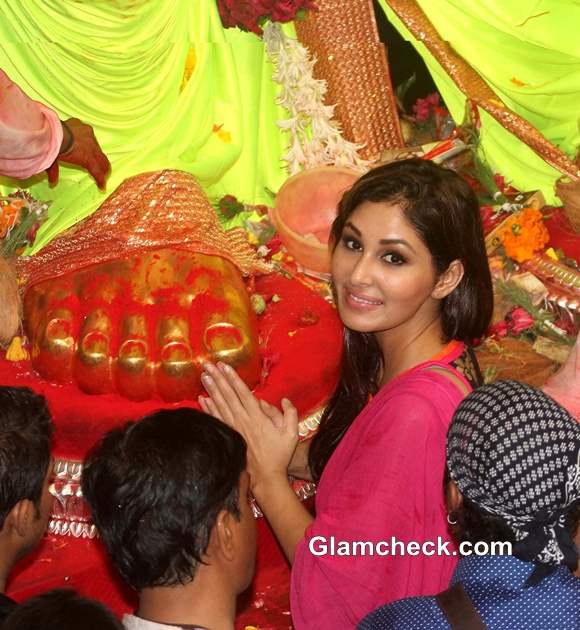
point(412, 285)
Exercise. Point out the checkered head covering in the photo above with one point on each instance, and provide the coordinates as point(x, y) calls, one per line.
point(515, 453)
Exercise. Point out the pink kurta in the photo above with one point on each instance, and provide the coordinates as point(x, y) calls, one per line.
point(384, 479)
point(30, 133)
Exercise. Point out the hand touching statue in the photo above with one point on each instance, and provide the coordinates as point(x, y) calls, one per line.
point(271, 434)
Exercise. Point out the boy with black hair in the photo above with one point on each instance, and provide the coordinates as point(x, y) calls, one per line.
point(25, 466)
point(169, 497)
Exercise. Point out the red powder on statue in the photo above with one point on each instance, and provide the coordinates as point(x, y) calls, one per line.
point(305, 370)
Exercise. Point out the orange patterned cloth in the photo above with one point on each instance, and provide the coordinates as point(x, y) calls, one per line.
point(149, 211)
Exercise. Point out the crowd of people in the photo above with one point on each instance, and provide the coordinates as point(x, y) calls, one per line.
point(170, 496)
point(411, 447)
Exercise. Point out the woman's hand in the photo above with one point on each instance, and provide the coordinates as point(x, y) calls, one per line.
point(271, 434)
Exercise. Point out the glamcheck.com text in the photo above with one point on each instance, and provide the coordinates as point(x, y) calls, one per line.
point(322, 546)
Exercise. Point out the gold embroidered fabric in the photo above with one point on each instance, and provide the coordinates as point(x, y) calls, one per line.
point(476, 89)
point(149, 211)
point(353, 62)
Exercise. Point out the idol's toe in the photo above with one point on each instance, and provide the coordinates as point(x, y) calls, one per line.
point(93, 363)
point(177, 374)
point(53, 345)
point(134, 372)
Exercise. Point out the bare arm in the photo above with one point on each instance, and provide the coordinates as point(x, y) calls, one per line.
point(81, 148)
point(286, 514)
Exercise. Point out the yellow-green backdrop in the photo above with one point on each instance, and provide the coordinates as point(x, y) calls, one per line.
point(123, 66)
point(528, 51)
point(165, 86)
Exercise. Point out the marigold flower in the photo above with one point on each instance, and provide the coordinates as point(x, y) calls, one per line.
point(524, 234)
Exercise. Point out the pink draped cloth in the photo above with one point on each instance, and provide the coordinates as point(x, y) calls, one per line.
point(30, 133)
point(385, 479)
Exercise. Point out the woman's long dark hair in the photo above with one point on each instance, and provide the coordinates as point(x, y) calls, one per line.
point(445, 214)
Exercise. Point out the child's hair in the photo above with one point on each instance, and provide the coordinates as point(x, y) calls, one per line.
point(61, 610)
point(444, 212)
point(25, 444)
point(156, 487)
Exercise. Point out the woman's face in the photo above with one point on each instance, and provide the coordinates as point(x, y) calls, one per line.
point(382, 271)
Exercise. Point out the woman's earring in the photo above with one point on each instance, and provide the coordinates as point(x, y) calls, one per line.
point(450, 520)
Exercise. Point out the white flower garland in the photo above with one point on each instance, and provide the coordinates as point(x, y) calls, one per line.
point(315, 137)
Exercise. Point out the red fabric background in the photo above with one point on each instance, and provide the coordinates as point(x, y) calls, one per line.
point(562, 235)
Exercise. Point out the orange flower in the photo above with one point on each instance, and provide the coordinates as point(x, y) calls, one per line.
point(8, 215)
point(524, 234)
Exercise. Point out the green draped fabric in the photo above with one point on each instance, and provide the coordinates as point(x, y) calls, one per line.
point(529, 53)
point(119, 65)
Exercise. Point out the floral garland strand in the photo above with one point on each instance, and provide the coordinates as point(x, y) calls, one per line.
point(315, 138)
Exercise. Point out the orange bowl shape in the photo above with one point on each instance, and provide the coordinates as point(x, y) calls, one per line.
point(305, 208)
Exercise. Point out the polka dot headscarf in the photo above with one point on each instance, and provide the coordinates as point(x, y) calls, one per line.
point(515, 453)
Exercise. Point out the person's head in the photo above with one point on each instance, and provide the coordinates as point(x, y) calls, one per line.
point(408, 237)
point(61, 610)
point(25, 462)
point(169, 496)
point(513, 472)
point(407, 250)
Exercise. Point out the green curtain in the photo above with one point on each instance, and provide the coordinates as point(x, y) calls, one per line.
point(529, 53)
point(121, 65)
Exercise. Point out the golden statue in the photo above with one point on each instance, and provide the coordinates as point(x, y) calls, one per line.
point(136, 297)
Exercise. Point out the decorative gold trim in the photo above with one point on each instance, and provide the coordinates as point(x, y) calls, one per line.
point(150, 211)
point(309, 425)
point(352, 60)
point(71, 516)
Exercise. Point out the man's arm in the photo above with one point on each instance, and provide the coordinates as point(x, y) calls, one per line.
point(33, 139)
point(31, 134)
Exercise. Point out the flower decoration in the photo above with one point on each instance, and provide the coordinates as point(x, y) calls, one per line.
point(524, 234)
point(499, 329)
point(20, 217)
point(229, 206)
point(9, 213)
point(525, 319)
point(430, 116)
point(517, 321)
point(315, 137)
point(251, 15)
point(425, 107)
point(520, 320)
